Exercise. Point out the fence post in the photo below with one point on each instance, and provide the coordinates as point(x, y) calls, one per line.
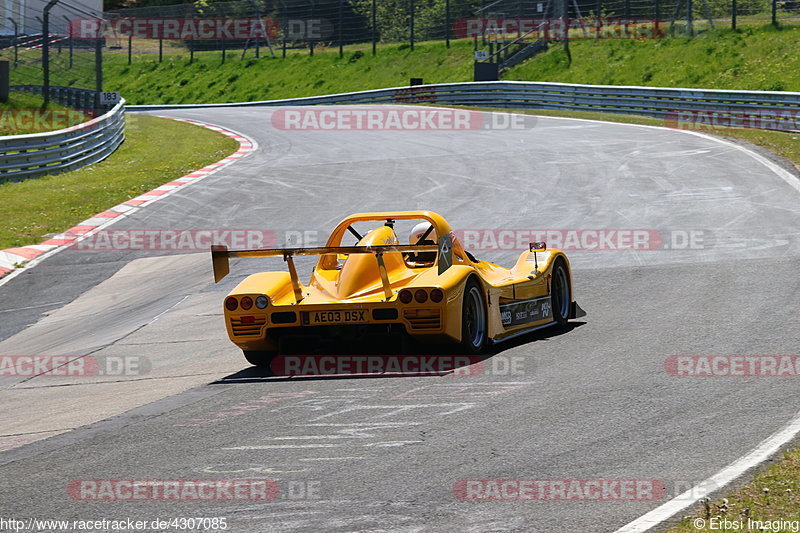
point(282, 17)
point(308, 36)
point(341, 45)
point(160, 50)
point(374, 27)
point(16, 44)
point(4, 81)
point(774, 12)
point(447, 23)
point(599, 8)
point(258, 38)
point(483, 31)
point(191, 50)
point(130, 47)
point(689, 19)
point(98, 67)
point(658, 15)
point(223, 50)
point(733, 14)
point(284, 40)
point(69, 33)
point(411, 37)
point(46, 51)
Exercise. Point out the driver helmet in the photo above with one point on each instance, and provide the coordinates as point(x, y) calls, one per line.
point(419, 230)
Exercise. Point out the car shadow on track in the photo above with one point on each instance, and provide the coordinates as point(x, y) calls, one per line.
point(410, 360)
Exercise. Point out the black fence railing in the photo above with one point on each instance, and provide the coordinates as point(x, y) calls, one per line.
point(37, 44)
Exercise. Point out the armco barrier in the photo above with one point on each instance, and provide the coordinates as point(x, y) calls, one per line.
point(657, 102)
point(52, 152)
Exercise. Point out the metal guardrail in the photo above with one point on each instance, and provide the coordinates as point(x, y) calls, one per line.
point(658, 102)
point(53, 152)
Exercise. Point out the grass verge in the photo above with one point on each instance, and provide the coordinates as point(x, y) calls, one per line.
point(753, 57)
point(207, 80)
point(773, 496)
point(759, 58)
point(34, 208)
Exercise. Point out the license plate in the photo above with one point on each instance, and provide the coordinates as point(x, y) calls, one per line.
point(355, 316)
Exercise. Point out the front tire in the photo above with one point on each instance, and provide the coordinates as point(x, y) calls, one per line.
point(261, 359)
point(473, 319)
point(560, 296)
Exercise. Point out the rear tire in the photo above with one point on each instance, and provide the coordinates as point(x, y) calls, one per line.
point(560, 294)
point(473, 319)
point(260, 359)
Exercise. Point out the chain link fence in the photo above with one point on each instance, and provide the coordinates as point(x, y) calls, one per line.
point(250, 28)
point(35, 39)
point(278, 27)
point(69, 52)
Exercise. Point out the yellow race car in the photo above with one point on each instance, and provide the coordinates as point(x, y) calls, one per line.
point(431, 289)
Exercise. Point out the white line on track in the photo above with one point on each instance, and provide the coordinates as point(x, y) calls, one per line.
point(32, 307)
point(282, 446)
point(760, 453)
point(330, 458)
point(167, 310)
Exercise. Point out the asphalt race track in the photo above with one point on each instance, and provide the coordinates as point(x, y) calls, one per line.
point(383, 453)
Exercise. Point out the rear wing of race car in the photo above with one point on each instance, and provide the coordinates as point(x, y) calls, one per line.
point(220, 255)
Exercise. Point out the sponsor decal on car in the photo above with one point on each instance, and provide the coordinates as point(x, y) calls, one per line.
point(524, 311)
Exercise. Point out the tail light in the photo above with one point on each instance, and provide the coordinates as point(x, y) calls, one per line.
point(247, 303)
point(231, 303)
point(421, 296)
point(437, 295)
point(262, 302)
point(405, 296)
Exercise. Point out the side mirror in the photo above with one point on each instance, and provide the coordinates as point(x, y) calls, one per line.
point(538, 246)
